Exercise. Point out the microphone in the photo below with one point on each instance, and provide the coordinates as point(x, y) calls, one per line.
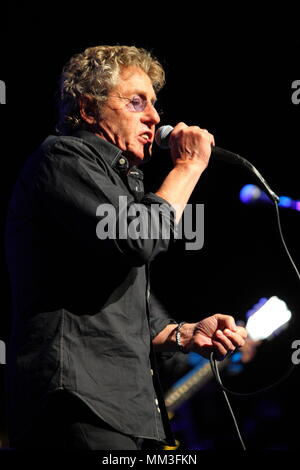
point(162, 137)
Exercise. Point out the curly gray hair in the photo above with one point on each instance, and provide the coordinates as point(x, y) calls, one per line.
point(93, 73)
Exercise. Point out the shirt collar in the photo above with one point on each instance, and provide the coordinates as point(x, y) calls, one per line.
point(111, 153)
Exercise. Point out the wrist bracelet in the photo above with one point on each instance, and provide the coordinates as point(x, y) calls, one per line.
point(178, 338)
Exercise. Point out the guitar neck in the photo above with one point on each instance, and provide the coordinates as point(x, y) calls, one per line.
point(190, 383)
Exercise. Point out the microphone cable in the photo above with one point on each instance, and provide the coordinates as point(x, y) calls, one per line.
point(213, 362)
point(162, 140)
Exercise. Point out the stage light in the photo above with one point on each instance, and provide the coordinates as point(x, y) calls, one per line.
point(252, 194)
point(285, 201)
point(267, 319)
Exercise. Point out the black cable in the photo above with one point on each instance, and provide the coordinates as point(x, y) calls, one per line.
point(256, 392)
point(216, 373)
point(213, 362)
point(285, 376)
point(215, 370)
point(283, 242)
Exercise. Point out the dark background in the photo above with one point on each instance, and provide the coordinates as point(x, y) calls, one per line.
point(240, 91)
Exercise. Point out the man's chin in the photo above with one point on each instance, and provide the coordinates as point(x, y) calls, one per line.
point(145, 159)
point(139, 158)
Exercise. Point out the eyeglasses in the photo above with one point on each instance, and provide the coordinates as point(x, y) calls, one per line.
point(136, 104)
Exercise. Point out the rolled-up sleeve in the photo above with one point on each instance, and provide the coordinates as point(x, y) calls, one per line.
point(150, 226)
point(75, 189)
point(159, 317)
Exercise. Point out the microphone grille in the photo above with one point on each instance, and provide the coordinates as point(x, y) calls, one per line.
point(161, 136)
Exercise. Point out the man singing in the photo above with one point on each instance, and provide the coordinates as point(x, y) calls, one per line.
point(85, 328)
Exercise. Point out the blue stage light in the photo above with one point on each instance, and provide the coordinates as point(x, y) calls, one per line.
point(252, 194)
point(285, 201)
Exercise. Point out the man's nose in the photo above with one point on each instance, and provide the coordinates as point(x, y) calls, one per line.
point(151, 114)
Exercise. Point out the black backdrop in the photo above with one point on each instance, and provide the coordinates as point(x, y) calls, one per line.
point(242, 94)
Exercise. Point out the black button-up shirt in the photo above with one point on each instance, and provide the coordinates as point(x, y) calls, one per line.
point(82, 313)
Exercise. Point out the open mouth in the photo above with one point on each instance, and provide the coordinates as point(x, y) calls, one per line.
point(145, 138)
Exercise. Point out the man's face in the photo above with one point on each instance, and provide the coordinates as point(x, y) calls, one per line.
point(121, 124)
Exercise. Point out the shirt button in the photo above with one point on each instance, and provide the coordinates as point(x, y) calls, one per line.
point(122, 164)
point(157, 407)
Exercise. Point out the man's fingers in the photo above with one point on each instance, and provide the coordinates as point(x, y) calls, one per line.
point(226, 321)
point(190, 144)
point(242, 331)
point(220, 334)
point(237, 338)
point(225, 341)
point(220, 351)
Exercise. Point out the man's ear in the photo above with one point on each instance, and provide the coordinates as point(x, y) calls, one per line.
point(87, 109)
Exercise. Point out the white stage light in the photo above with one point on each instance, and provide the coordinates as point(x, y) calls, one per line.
point(272, 315)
